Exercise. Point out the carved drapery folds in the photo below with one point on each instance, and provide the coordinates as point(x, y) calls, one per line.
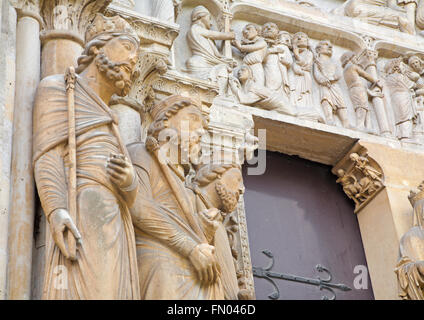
point(360, 176)
point(410, 267)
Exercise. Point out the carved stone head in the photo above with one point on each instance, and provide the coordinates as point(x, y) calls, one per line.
point(347, 57)
point(244, 73)
point(416, 64)
point(178, 125)
point(270, 30)
point(324, 48)
point(112, 45)
point(300, 40)
point(200, 13)
point(250, 31)
point(222, 184)
point(284, 38)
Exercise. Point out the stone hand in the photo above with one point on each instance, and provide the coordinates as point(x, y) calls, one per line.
point(203, 259)
point(60, 221)
point(120, 170)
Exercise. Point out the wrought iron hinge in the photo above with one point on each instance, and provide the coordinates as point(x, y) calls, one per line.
point(323, 284)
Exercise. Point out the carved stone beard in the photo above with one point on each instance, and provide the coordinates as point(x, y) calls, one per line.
point(228, 198)
point(112, 70)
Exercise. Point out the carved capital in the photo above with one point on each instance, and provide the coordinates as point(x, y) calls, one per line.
point(28, 8)
point(69, 18)
point(360, 176)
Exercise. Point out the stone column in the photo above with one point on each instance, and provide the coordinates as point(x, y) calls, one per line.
point(7, 96)
point(23, 190)
point(63, 36)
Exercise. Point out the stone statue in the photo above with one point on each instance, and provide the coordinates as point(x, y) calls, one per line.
point(327, 73)
point(415, 73)
point(380, 12)
point(84, 179)
point(371, 178)
point(410, 267)
point(350, 185)
point(401, 95)
point(206, 61)
point(302, 68)
point(250, 93)
point(175, 251)
point(255, 48)
point(220, 186)
point(353, 74)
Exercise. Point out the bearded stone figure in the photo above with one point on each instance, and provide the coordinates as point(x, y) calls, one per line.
point(176, 255)
point(410, 267)
point(220, 186)
point(96, 243)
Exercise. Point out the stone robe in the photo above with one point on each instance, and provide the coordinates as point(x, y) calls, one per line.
point(168, 227)
point(106, 266)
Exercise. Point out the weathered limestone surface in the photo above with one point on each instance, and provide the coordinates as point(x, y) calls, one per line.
point(7, 95)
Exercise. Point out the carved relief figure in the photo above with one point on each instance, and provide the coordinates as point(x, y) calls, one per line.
point(249, 93)
point(401, 94)
point(175, 251)
point(415, 74)
point(353, 74)
point(328, 73)
point(220, 186)
point(302, 68)
point(206, 61)
point(255, 48)
point(95, 243)
point(350, 186)
point(371, 180)
point(278, 58)
point(379, 12)
point(410, 267)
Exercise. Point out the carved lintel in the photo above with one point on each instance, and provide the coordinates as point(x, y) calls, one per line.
point(360, 176)
point(69, 17)
point(149, 30)
point(174, 83)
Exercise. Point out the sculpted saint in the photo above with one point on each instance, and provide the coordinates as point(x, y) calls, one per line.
point(278, 58)
point(328, 73)
point(415, 73)
point(220, 186)
point(104, 265)
point(175, 251)
point(353, 74)
point(410, 267)
point(401, 88)
point(206, 61)
point(255, 48)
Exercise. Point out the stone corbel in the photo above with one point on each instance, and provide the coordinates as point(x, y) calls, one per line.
point(360, 176)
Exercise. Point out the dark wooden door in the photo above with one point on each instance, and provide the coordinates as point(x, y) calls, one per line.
point(297, 211)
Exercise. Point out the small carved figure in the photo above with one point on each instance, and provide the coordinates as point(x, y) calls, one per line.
point(415, 74)
point(302, 68)
point(206, 61)
point(328, 73)
point(249, 93)
point(353, 74)
point(255, 48)
point(350, 186)
point(402, 98)
point(220, 186)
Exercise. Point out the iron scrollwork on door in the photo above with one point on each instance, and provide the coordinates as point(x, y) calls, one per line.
point(323, 284)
